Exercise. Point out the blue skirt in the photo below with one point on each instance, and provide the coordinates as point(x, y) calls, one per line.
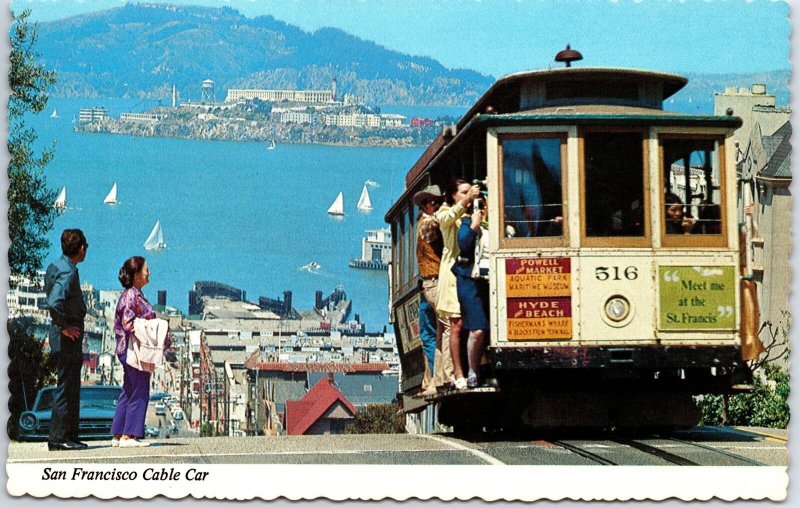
point(473, 296)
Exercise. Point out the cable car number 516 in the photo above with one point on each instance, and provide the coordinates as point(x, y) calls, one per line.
point(615, 273)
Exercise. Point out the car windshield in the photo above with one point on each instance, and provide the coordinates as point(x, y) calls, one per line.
point(99, 398)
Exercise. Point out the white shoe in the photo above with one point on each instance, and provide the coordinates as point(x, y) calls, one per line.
point(132, 443)
point(115, 442)
point(460, 384)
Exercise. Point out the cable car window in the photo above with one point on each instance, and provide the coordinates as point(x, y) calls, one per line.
point(396, 283)
point(692, 193)
point(411, 241)
point(532, 187)
point(614, 184)
point(401, 252)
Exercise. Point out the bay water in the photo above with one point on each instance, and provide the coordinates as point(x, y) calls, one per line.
point(232, 212)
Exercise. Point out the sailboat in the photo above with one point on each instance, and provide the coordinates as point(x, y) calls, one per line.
point(156, 239)
point(337, 207)
point(271, 145)
point(54, 114)
point(111, 198)
point(364, 203)
point(61, 200)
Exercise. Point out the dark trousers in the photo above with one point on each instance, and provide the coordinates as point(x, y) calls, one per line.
point(67, 396)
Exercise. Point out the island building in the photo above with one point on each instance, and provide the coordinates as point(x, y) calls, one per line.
point(306, 115)
point(95, 114)
point(142, 117)
point(306, 96)
point(763, 154)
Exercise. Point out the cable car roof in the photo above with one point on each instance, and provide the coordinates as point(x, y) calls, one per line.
point(571, 96)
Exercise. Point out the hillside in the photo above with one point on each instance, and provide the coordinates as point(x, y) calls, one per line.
point(142, 50)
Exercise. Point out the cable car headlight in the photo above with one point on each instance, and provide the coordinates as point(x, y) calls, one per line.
point(28, 421)
point(617, 308)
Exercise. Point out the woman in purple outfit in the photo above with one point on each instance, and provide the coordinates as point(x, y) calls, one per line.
point(128, 425)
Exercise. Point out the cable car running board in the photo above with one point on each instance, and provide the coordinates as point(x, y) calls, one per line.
point(454, 394)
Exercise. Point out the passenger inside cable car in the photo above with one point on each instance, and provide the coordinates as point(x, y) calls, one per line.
point(694, 193)
point(676, 221)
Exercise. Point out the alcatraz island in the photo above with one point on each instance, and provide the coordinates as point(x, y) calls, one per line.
point(271, 116)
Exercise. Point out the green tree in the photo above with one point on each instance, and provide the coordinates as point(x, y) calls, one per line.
point(378, 419)
point(766, 406)
point(30, 210)
point(28, 370)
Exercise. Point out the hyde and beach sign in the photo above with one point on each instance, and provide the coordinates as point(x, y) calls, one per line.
point(538, 298)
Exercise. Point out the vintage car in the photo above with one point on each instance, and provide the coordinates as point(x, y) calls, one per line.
point(96, 413)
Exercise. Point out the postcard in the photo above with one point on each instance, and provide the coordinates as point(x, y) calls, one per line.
point(363, 250)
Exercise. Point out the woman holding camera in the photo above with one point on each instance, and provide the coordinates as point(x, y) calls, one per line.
point(458, 196)
point(472, 284)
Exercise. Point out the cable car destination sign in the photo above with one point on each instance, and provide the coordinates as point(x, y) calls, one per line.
point(538, 298)
point(697, 297)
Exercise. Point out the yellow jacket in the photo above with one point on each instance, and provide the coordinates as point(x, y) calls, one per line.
point(449, 221)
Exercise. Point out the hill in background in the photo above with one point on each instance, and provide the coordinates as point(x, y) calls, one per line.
point(142, 50)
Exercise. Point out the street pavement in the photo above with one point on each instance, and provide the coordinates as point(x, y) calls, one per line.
point(707, 446)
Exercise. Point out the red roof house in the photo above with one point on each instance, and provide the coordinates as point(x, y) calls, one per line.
point(323, 410)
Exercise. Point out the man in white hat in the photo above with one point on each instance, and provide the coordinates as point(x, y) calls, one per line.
point(432, 326)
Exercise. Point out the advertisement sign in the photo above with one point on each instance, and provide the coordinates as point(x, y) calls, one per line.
point(697, 297)
point(538, 299)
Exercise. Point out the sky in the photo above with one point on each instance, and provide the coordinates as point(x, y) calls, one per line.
point(497, 37)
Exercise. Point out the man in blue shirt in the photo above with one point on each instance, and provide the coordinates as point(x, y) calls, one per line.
point(67, 311)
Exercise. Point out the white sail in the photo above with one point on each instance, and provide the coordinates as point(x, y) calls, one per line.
point(364, 203)
point(61, 200)
point(337, 208)
point(54, 114)
point(156, 239)
point(272, 145)
point(111, 198)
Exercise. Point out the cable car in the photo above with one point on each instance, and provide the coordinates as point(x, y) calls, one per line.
point(605, 309)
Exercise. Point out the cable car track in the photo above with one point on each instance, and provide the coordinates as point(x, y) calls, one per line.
point(577, 450)
point(658, 452)
point(732, 455)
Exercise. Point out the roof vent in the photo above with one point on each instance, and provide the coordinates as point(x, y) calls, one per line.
point(568, 55)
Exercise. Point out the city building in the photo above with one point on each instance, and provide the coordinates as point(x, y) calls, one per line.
point(26, 297)
point(323, 410)
point(376, 250)
point(763, 165)
point(273, 384)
